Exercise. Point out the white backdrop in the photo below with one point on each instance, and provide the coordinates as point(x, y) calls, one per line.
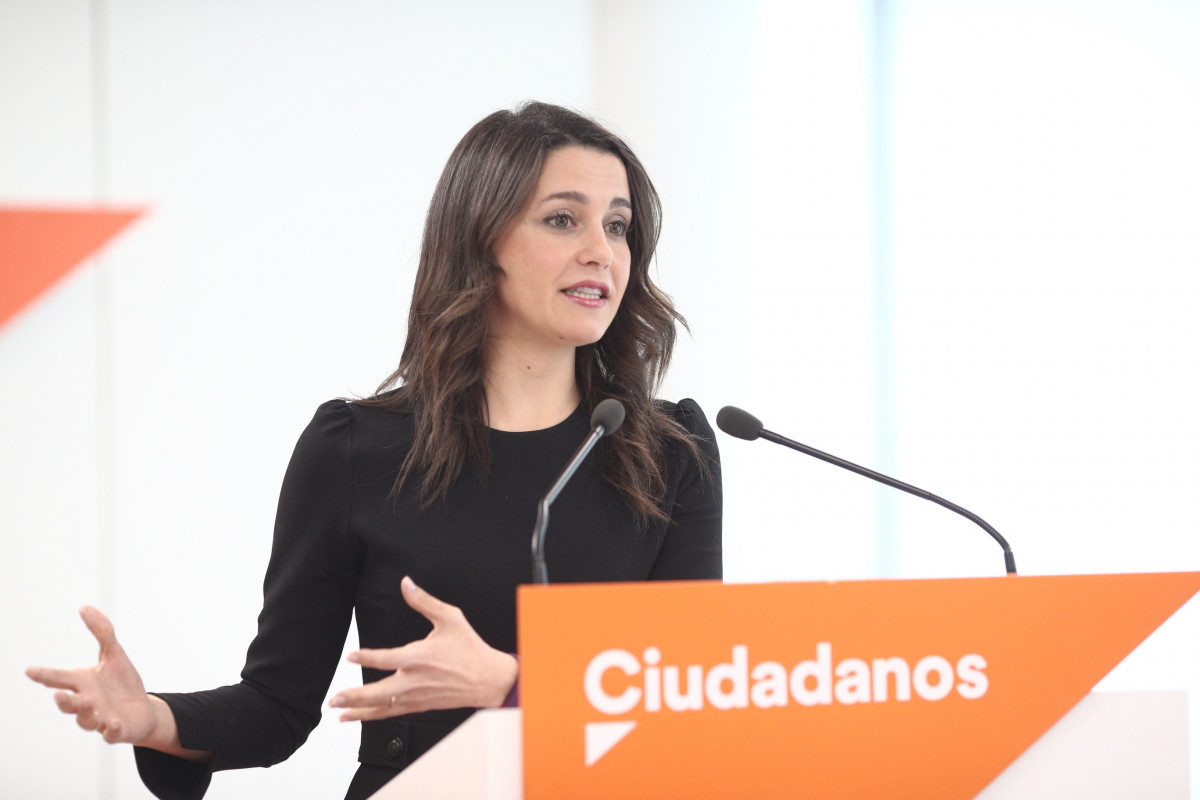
point(954, 241)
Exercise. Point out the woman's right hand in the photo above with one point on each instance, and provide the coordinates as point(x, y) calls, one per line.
point(109, 697)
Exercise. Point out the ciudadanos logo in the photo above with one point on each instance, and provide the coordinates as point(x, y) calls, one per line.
point(618, 682)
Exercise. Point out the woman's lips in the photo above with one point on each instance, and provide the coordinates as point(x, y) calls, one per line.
point(588, 293)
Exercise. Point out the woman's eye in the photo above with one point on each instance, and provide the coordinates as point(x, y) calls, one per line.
point(618, 227)
point(559, 220)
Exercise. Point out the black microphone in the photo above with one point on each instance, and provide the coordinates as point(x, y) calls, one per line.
point(606, 418)
point(746, 426)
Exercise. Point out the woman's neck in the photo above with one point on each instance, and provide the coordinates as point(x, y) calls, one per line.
point(529, 391)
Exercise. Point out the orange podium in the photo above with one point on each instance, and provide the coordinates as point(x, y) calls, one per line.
point(897, 688)
point(889, 688)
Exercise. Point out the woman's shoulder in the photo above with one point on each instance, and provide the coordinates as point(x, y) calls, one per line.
point(363, 419)
point(689, 416)
point(687, 412)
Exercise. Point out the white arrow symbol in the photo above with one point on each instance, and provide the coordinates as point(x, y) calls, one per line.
point(600, 737)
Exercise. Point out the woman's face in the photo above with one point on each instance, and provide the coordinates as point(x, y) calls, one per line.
point(565, 257)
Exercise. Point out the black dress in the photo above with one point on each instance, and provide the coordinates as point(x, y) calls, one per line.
point(341, 546)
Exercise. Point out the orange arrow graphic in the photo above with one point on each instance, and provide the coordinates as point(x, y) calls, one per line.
point(40, 245)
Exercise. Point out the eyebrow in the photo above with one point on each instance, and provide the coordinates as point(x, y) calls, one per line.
point(580, 197)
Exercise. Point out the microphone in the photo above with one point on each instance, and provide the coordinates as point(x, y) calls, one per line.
point(606, 418)
point(744, 425)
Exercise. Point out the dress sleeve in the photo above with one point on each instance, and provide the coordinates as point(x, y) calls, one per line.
point(691, 549)
point(308, 599)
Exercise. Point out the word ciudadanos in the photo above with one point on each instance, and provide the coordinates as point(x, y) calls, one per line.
point(616, 681)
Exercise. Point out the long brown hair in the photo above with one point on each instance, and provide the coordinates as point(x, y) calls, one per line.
point(486, 183)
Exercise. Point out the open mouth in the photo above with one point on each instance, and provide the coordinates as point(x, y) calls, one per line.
point(585, 293)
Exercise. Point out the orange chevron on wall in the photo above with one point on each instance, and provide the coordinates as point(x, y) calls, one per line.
point(39, 245)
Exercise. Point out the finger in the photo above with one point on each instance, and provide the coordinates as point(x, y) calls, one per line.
point(372, 695)
point(72, 703)
point(112, 732)
point(88, 720)
point(107, 728)
point(426, 604)
point(374, 712)
point(366, 714)
point(392, 658)
point(99, 625)
point(54, 678)
point(409, 700)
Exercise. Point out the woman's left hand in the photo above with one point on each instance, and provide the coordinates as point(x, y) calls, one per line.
point(452, 667)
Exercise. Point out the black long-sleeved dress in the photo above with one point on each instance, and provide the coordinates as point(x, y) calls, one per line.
point(342, 545)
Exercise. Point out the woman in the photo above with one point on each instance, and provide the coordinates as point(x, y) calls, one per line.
point(532, 303)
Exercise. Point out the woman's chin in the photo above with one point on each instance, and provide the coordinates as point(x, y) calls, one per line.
point(590, 337)
point(550, 337)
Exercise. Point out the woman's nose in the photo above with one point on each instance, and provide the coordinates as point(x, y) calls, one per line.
point(595, 248)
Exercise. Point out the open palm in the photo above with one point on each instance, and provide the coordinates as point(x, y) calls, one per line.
point(109, 697)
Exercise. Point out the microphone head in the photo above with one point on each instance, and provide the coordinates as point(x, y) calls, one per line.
point(609, 414)
point(739, 423)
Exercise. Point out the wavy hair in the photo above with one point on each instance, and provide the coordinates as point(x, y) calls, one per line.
point(485, 184)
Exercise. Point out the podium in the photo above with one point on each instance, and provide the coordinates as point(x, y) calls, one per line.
point(944, 688)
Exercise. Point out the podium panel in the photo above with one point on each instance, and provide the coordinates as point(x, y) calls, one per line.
point(1111, 746)
point(479, 760)
point(850, 689)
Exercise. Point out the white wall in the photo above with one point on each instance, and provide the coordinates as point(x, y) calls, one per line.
point(978, 272)
point(1048, 275)
point(286, 153)
point(48, 409)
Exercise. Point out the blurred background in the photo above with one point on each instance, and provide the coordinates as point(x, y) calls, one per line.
point(958, 242)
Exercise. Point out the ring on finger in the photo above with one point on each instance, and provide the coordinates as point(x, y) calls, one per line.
point(391, 701)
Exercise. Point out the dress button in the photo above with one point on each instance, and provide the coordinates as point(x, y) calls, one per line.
point(395, 747)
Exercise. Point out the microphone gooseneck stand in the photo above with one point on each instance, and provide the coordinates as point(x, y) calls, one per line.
point(743, 425)
point(606, 418)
